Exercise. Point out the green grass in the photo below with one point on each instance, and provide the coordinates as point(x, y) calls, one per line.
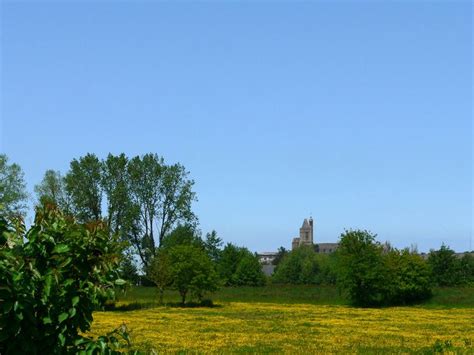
point(143, 297)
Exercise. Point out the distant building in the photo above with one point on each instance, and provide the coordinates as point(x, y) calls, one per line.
point(267, 257)
point(326, 248)
point(307, 238)
point(306, 234)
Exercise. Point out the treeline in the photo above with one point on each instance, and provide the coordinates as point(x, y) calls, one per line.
point(375, 274)
point(141, 199)
point(147, 204)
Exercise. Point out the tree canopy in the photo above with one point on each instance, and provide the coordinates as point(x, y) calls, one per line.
point(13, 195)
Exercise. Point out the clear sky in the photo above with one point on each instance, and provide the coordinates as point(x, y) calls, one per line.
point(357, 112)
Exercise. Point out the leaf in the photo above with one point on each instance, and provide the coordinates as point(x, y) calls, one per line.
point(65, 263)
point(62, 317)
point(60, 248)
point(47, 320)
point(47, 285)
point(62, 339)
point(120, 282)
point(75, 301)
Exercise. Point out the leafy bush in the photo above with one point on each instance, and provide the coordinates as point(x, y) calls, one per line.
point(449, 270)
point(361, 271)
point(409, 277)
point(51, 283)
point(374, 276)
point(467, 269)
point(300, 266)
point(232, 263)
point(249, 272)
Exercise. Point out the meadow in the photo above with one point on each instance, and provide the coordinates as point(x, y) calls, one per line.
point(291, 319)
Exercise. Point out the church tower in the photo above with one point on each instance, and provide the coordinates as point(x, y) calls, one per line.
point(306, 232)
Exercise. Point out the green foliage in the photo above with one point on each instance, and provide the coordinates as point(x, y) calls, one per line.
point(128, 269)
point(374, 276)
point(232, 263)
point(192, 271)
point(168, 269)
point(159, 271)
point(467, 269)
point(83, 184)
point(361, 269)
point(449, 270)
point(229, 261)
point(52, 190)
point(282, 252)
point(51, 284)
point(409, 278)
point(249, 272)
point(145, 198)
point(213, 245)
point(163, 196)
point(300, 266)
point(121, 212)
point(182, 235)
point(304, 266)
point(13, 193)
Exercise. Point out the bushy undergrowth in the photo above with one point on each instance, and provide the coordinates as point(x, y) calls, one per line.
point(51, 280)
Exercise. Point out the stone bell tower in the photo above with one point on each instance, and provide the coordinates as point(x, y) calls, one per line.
point(306, 232)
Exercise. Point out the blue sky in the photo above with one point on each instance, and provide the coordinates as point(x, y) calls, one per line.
point(357, 112)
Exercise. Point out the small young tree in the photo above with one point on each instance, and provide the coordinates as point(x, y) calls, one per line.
point(192, 272)
point(159, 272)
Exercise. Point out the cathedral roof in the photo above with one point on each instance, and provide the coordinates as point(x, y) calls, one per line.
point(305, 224)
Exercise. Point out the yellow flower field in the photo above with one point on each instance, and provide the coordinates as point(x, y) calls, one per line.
point(266, 327)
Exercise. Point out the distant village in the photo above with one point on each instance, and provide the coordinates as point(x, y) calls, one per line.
point(306, 237)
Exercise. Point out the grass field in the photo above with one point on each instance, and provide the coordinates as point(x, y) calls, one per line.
point(292, 319)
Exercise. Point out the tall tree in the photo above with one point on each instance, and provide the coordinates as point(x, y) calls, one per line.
point(13, 195)
point(52, 189)
point(83, 184)
point(176, 199)
point(145, 180)
point(115, 183)
point(162, 196)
